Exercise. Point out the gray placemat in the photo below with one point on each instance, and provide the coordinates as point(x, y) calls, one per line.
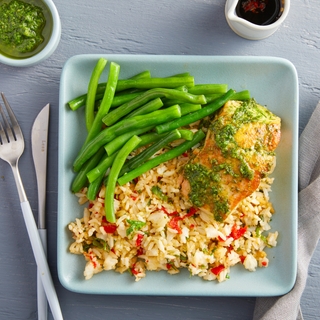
point(287, 307)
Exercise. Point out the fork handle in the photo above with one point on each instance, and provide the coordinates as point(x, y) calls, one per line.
point(41, 295)
point(41, 260)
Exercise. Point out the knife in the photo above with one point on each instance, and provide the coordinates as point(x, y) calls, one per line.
point(39, 142)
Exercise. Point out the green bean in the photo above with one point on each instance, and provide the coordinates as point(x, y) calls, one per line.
point(114, 145)
point(208, 88)
point(123, 98)
point(142, 75)
point(150, 106)
point(241, 95)
point(146, 139)
point(94, 188)
point(126, 108)
point(171, 102)
point(147, 120)
point(127, 125)
point(88, 150)
point(161, 140)
point(150, 138)
point(106, 101)
point(170, 82)
point(79, 101)
point(211, 97)
point(150, 151)
point(101, 168)
point(119, 99)
point(172, 153)
point(94, 175)
point(189, 107)
point(186, 134)
point(81, 178)
point(92, 89)
point(113, 176)
point(182, 88)
point(183, 74)
point(197, 115)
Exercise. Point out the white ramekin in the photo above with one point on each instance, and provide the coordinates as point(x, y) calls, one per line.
point(249, 30)
point(47, 50)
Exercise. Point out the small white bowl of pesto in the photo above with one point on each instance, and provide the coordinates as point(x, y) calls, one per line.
point(30, 31)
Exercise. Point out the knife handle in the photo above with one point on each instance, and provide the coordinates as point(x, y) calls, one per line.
point(41, 295)
point(41, 260)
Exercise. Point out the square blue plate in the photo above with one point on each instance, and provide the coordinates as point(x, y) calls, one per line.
point(272, 82)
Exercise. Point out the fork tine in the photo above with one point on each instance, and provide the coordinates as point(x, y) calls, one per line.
point(14, 129)
point(3, 135)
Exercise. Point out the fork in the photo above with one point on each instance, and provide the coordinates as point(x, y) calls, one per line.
point(11, 149)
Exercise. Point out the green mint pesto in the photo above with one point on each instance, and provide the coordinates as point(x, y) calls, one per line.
point(248, 112)
point(25, 28)
point(226, 167)
point(205, 185)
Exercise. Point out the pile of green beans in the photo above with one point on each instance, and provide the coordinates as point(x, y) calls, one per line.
point(123, 115)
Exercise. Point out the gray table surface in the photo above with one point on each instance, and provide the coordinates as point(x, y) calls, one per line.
point(194, 27)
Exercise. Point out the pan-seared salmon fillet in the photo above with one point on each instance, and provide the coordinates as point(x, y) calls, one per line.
point(237, 153)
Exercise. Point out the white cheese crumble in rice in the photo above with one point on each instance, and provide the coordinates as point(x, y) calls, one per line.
point(153, 234)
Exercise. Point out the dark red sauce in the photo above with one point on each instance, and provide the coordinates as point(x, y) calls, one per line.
point(260, 12)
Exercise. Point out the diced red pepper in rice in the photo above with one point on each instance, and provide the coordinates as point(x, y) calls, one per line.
point(237, 233)
point(139, 240)
point(134, 271)
point(173, 224)
point(218, 269)
point(107, 226)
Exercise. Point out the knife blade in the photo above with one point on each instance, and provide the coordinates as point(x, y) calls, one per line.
point(39, 143)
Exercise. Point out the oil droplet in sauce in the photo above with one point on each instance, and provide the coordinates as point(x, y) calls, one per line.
point(260, 12)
